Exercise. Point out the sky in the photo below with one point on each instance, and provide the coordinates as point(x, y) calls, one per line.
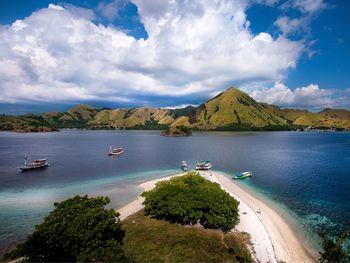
point(172, 53)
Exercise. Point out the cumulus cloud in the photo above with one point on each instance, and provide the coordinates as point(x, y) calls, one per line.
point(194, 47)
point(311, 96)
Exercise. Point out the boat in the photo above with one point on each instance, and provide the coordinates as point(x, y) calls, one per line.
point(115, 152)
point(242, 175)
point(203, 165)
point(35, 164)
point(184, 166)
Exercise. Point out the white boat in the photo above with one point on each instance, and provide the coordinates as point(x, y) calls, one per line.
point(242, 175)
point(35, 164)
point(115, 151)
point(184, 166)
point(203, 165)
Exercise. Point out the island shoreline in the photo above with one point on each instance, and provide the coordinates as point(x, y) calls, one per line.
point(272, 236)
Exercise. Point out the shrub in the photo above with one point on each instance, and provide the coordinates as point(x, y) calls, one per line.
point(334, 248)
point(191, 199)
point(78, 229)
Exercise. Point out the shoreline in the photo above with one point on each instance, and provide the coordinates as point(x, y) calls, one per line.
point(272, 237)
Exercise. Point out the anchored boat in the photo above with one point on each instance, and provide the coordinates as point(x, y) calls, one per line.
point(35, 164)
point(242, 175)
point(184, 166)
point(203, 165)
point(116, 151)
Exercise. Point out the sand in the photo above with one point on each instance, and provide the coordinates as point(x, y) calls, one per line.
point(273, 239)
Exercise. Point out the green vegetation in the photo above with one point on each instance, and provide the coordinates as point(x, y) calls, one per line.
point(231, 110)
point(178, 131)
point(79, 229)
point(151, 240)
point(334, 248)
point(190, 199)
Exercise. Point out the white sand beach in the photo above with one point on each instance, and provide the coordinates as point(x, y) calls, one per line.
point(272, 238)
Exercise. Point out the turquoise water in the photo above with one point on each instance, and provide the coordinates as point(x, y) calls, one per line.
point(305, 175)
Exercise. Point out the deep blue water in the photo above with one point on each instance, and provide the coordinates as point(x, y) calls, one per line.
point(308, 174)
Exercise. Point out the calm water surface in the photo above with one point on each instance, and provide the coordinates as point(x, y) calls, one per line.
point(306, 174)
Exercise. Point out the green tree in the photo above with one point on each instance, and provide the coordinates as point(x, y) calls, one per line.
point(334, 248)
point(191, 199)
point(78, 229)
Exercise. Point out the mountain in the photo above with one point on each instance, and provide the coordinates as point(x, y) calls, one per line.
point(235, 110)
point(230, 110)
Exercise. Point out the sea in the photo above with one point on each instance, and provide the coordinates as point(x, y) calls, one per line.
point(305, 176)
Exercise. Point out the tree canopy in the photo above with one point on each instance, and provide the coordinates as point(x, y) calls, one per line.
point(191, 199)
point(78, 229)
point(334, 247)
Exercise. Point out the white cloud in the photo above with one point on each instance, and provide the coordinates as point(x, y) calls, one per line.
point(111, 10)
point(306, 6)
point(194, 47)
point(289, 25)
point(311, 96)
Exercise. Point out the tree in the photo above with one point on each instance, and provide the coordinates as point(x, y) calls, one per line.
point(78, 229)
point(334, 249)
point(191, 199)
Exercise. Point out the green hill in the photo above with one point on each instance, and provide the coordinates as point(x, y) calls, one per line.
point(234, 109)
point(230, 110)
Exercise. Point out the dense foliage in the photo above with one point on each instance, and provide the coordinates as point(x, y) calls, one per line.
point(78, 229)
point(334, 248)
point(191, 199)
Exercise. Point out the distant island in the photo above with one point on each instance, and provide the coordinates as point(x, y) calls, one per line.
point(177, 131)
point(231, 110)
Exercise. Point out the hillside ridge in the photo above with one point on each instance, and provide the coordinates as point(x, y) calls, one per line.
point(231, 109)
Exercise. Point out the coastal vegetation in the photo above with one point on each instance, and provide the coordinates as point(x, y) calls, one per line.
point(191, 199)
point(151, 240)
point(334, 246)
point(230, 110)
point(78, 229)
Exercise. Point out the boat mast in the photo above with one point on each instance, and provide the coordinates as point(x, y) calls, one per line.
point(25, 159)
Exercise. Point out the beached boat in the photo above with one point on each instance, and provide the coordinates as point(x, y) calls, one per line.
point(184, 166)
point(203, 165)
point(35, 164)
point(116, 151)
point(242, 175)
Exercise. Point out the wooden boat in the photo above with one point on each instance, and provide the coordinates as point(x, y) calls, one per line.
point(35, 164)
point(184, 166)
point(242, 175)
point(115, 152)
point(203, 165)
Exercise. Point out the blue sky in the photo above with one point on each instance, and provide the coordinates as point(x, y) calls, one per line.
point(120, 53)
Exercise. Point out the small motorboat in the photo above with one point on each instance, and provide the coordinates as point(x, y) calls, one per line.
point(115, 152)
point(184, 166)
point(35, 164)
point(203, 165)
point(242, 175)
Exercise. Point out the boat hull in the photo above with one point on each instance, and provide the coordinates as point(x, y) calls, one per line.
point(206, 167)
point(28, 168)
point(115, 154)
point(242, 175)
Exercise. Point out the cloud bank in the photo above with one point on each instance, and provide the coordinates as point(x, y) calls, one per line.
point(194, 48)
point(311, 96)
point(58, 54)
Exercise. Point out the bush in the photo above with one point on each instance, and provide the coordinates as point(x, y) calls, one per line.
point(334, 248)
point(78, 229)
point(191, 199)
